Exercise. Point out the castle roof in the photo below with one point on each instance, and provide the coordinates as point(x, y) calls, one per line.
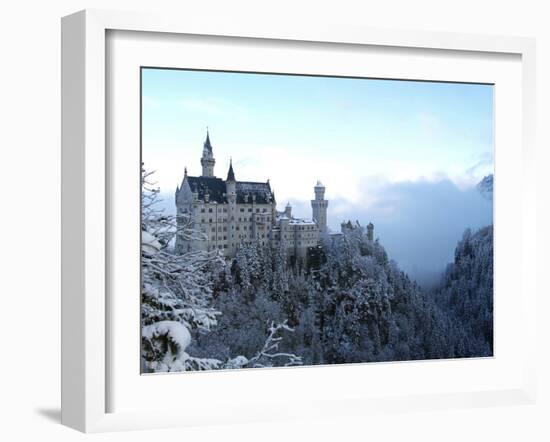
point(294, 221)
point(262, 191)
point(230, 173)
point(207, 144)
point(215, 188)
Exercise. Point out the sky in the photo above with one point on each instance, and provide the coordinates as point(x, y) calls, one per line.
point(405, 155)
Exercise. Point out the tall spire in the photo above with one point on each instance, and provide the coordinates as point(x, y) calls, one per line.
point(207, 160)
point(230, 173)
point(207, 144)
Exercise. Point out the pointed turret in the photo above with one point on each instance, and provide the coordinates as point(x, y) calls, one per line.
point(230, 173)
point(207, 160)
point(231, 184)
point(207, 144)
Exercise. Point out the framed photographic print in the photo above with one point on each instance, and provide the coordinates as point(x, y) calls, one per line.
point(291, 222)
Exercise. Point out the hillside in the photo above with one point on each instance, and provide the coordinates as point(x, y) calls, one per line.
point(466, 294)
point(355, 306)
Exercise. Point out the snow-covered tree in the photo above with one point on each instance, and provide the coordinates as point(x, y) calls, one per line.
point(176, 290)
point(177, 296)
point(466, 294)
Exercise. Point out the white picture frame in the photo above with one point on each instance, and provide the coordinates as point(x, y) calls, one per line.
point(85, 236)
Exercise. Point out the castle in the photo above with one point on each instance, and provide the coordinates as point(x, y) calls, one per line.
point(229, 213)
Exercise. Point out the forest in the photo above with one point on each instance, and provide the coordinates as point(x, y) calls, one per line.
point(349, 304)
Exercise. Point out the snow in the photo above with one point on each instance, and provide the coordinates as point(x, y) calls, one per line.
point(296, 221)
point(301, 222)
point(149, 243)
point(176, 331)
point(236, 362)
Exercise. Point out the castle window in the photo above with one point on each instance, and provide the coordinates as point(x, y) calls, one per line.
point(250, 210)
point(264, 210)
point(210, 220)
point(202, 210)
point(242, 209)
point(210, 210)
point(225, 246)
point(257, 210)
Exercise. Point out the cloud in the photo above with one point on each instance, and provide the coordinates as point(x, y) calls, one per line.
point(482, 166)
point(484, 162)
point(419, 223)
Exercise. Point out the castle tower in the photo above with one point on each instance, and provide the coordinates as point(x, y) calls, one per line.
point(370, 232)
point(207, 160)
point(288, 210)
point(231, 184)
point(231, 195)
point(319, 207)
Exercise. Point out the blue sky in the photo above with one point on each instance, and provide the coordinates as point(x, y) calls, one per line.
point(363, 138)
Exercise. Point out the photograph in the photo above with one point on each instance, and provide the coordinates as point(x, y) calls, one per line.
point(302, 220)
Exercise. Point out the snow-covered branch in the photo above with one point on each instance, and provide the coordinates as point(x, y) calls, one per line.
point(271, 345)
